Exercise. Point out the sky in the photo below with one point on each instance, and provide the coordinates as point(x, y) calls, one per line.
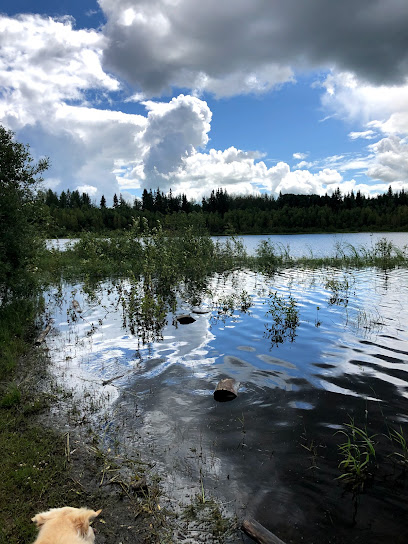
point(252, 96)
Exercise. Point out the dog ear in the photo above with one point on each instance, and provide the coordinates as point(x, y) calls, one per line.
point(83, 519)
point(81, 523)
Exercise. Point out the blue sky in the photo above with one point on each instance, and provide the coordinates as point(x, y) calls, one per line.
point(249, 95)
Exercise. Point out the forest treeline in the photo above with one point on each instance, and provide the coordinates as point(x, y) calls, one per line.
point(72, 212)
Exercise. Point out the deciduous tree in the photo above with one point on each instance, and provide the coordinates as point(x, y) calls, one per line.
point(19, 213)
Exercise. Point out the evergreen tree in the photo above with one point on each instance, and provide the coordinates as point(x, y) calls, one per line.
point(63, 201)
point(147, 200)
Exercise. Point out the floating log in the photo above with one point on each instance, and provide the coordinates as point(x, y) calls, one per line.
point(42, 335)
point(258, 532)
point(227, 389)
point(185, 319)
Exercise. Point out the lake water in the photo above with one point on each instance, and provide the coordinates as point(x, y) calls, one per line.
point(300, 245)
point(273, 452)
point(320, 245)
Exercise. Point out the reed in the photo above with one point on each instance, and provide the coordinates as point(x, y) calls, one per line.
point(398, 438)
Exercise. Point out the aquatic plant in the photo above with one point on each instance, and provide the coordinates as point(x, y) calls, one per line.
point(269, 256)
point(340, 290)
point(285, 318)
point(358, 456)
point(399, 439)
point(370, 321)
point(383, 254)
point(317, 320)
point(144, 310)
point(227, 305)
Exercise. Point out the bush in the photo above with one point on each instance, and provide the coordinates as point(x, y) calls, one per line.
point(19, 211)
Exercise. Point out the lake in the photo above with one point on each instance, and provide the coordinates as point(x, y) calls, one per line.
point(320, 245)
point(273, 453)
point(300, 245)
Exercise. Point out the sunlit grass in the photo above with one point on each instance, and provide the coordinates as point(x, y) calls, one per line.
point(358, 456)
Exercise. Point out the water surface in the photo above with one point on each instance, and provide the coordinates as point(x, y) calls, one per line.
point(300, 245)
point(320, 245)
point(272, 453)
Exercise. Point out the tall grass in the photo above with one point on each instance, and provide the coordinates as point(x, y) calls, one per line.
point(383, 254)
point(189, 255)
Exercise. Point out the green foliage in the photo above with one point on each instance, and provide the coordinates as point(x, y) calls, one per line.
point(151, 269)
point(383, 254)
point(227, 305)
point(340, 290)
point(11, 397)
point(399, 439)
point(270, 256)
point(19, 215)
point(358, 456)
point(32, 464)
point(16, 324)
point(285, 318)
point(226, 214)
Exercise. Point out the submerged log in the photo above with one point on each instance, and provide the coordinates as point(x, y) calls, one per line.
point(185, 319)
point(258, 532)
point(227, 389)
point(41, 337)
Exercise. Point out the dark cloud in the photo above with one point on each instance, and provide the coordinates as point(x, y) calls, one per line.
point(163, 43)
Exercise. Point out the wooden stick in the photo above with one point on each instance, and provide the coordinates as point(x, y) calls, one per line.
point(258, 532)
point(42, 335)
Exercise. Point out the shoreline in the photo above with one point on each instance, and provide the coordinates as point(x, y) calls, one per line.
point(54, 458)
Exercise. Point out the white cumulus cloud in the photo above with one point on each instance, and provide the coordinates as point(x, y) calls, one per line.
point(57, 84)
point(391, 161)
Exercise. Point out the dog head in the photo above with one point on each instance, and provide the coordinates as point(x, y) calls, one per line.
point(76, 520)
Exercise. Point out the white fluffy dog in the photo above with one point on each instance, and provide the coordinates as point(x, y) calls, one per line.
point(66, 526)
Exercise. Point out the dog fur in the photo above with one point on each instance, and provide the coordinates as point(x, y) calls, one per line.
point(65, 526)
